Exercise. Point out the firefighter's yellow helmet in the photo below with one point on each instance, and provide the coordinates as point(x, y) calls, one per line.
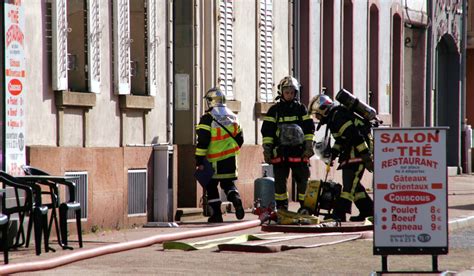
point(214, 97)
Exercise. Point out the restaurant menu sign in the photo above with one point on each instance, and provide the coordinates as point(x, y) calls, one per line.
point(14, 155)
point(410, 191)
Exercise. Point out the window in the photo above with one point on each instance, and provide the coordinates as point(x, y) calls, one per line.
point(266, 50)
point(76, 31)
point(135, 47)
point(225, 50)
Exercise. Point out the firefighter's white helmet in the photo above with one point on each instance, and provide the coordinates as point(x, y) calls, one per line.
point(320, 105)
point(289, 81)
point(214, 97)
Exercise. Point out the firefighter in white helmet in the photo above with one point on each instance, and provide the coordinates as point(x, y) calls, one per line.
point(352, 148)
point(288, 133)
point(219, 138)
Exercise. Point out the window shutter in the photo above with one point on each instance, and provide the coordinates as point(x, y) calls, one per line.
point(152, 47)
point(266, 50)
point(225, 48)
point(59, 41)
point(94, 33)
point(122, 46)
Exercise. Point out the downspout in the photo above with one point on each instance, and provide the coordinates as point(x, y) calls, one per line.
point(170, 74)
point(463, 64)
point(197, 57)
point(463, 89)
point(429, 54)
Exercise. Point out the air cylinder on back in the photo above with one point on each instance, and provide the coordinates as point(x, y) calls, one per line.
point(354, 104)
point(264, 191)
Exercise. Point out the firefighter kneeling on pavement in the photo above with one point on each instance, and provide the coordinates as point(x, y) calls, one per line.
point(354, 155)
point(219, 138)
point(288, 132)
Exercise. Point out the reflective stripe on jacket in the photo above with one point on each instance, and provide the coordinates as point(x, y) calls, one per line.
point(214, 141)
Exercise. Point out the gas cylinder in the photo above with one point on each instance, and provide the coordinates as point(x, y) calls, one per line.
point(354, 104)
point(264, 191)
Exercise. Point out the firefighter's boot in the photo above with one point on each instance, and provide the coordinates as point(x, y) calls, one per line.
point(282, 204)
point(216, 215)
point(303, 210)
point(366, 208)
point(343, 206)
point(234, 197)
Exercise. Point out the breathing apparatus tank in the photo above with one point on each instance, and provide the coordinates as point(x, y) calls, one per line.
point(360, 108)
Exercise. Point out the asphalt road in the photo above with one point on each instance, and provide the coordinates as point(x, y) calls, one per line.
point(347, 258)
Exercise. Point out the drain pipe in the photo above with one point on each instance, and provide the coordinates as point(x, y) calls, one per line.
point(124, 246)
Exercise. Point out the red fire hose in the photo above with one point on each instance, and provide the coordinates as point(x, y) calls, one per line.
point(124, 246)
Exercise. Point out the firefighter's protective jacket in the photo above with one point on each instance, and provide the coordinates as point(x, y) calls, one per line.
point(216, 144)
point(281, 114)
point(348, 132)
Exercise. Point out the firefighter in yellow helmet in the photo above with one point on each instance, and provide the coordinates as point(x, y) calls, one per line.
point(219, 138)
point(351, 146)
point(288, 133)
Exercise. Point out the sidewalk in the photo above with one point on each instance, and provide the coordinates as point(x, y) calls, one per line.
point(461, 201)
point(460, 214)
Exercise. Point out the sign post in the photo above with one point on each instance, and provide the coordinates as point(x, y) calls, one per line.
point(410, 193)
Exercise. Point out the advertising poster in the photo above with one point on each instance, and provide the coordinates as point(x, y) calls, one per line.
point(14, 155)
point(410, 191)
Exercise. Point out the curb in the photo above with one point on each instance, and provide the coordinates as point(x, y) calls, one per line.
point(460, 223)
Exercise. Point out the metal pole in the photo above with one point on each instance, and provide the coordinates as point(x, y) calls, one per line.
point(463, 63)
point(384, 263)
point(429, 53)
point(435, 263)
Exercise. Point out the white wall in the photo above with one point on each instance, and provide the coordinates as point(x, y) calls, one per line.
point(385, 33)
point(40, 121)
point(360, 49)
point(315, 51)
point(246, 64)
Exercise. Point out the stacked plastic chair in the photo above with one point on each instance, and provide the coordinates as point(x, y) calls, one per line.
point(70, 205)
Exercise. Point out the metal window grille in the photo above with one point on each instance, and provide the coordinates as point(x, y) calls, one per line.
point(81, 192)
point(137, 184)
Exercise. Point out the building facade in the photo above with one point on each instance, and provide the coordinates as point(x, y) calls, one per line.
point(109, 84)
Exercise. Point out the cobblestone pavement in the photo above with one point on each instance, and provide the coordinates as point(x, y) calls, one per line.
point(346, 258)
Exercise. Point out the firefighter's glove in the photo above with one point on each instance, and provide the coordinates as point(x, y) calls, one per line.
point(368, 162)
point(308, 149)
point(267, 153)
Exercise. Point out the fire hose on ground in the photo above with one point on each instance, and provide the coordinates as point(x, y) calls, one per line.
point(124, 246)
point(145, 242)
